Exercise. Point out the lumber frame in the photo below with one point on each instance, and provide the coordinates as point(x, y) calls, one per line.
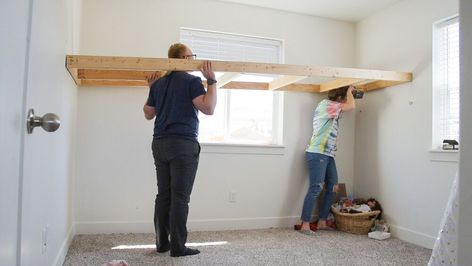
point(132, 72)
point(227, 78)
point(337, 83)
point(283, 81)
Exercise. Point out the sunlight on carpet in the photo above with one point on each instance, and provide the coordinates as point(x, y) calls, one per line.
point(217, 243)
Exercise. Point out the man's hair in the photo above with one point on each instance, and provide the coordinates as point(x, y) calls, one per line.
point(338, 94)
point(176, 50)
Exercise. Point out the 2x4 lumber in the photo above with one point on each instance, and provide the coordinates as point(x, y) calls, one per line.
point(298, 87)
point(236, 85)
point(337, 83)
point(265, 86)
point(283, 81)
point(242, 85)
point(378, 84)
point(227, 78)
point(113, 83)
point(113, 74)
point(153, 64)
point(74, 74)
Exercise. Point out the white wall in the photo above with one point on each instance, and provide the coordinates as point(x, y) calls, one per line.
point(115, 186)
point(464, 256)
point(393, 126)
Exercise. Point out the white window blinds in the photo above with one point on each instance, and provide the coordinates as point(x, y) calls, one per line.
point(446, 81)
point(231, 47)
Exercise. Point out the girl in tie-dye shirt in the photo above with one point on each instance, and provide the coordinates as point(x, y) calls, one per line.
point(325, 128)
point(320, 155)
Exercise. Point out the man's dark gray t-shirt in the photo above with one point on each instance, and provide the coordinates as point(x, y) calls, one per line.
point(172, 96)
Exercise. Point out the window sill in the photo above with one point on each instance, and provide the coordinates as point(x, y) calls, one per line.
point(444, 155)
point(227, 148)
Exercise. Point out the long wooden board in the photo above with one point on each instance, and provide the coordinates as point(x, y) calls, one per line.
point(132, 71)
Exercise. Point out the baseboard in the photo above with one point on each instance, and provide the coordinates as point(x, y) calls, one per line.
point(108, 227)
point(413, 237)
point(242, 223)
point(61, 256)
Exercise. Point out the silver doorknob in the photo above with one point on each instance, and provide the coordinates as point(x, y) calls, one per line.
point(49, 122)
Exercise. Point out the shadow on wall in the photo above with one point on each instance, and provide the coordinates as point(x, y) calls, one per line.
point(367, 179)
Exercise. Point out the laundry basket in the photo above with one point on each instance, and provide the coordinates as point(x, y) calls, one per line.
point(355, 223)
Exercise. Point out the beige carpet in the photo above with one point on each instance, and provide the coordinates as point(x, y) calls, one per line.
point(280, 246)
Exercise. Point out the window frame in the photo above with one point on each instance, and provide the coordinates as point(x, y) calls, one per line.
point(277, 103)
point(436, 141)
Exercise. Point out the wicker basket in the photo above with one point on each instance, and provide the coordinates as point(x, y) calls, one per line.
point(355, 223)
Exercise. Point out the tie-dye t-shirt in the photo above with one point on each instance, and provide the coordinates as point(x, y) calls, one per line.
point(325, 128)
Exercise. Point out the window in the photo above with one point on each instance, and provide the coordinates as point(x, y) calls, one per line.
point(241, 116)
point(445, 81)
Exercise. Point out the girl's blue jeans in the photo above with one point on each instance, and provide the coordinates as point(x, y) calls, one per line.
point(323, 172)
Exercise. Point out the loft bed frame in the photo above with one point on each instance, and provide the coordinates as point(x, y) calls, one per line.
point(107, 71)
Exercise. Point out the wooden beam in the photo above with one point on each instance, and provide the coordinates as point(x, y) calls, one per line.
point(153, 64)
point(298, 87)
point(338, 83)
point(114, 83)
point(113, 74)
point(241, 85)
point(379, 84)
point(74, 74)
point(283, 81)
point(227, 78)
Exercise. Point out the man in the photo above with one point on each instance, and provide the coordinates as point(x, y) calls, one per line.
point(174, 101)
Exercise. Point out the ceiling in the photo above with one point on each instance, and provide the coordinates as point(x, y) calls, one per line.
point(347, 10)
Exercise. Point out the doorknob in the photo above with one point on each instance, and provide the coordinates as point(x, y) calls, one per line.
point(49, 122)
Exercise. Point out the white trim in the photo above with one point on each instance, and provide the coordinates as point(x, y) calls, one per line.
point(61, 255)
point(226, 148)
point(242, 223)
point(108, 227)
point(444, 156)
point(413, 237)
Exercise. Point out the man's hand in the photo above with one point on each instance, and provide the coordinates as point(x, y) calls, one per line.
point(207, 70)
point(153, 77)
point(206, 103)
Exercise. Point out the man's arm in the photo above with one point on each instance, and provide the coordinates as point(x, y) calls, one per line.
point(149, 111)
point(206, 103)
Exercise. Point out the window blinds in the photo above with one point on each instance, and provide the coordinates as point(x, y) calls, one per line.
point(230, 47)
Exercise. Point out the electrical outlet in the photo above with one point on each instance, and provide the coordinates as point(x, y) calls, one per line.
point(44, 241)
point(232, 196)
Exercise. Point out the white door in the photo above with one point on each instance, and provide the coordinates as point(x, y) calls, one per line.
point(13, 45)
point(36, 168)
